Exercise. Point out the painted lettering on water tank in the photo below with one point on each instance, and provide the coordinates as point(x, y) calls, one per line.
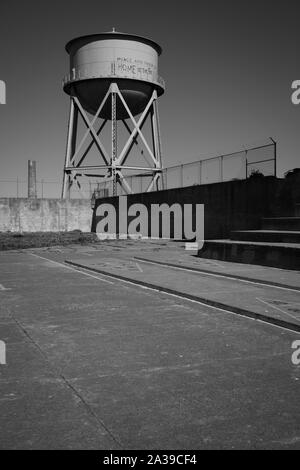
point(135, 67)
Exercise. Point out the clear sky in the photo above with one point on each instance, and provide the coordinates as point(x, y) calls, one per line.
point(228, 66)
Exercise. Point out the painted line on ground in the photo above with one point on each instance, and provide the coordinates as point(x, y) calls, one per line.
point(269, 304)
point(139, 268)
point(72, 269)
point(222, 275)
point(282, 324)
point(4, 288)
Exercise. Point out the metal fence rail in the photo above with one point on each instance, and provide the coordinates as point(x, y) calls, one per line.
point(237, 165)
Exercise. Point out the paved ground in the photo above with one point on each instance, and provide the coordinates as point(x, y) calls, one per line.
point(97, 363)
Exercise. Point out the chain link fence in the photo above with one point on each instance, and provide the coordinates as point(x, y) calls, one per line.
point(234, 166)
point(237, 165)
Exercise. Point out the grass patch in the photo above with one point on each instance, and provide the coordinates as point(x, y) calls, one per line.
point(17, 241)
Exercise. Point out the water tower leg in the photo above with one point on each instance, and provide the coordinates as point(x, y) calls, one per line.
point(71, 144)
point(157, 139)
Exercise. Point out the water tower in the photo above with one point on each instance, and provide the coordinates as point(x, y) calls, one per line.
point(113, 81)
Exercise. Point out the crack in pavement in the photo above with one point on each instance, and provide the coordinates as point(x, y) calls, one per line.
point(100, 425)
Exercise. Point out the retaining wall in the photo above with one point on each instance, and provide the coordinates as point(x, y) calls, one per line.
point(45, 215)
point(228, 206)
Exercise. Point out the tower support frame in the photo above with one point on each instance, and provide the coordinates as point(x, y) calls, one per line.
point(113, 162)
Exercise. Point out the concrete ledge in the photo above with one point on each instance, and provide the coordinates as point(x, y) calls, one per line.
point(277, 236)
point(284, 256)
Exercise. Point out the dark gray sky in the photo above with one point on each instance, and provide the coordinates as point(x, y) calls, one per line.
point(228, 67)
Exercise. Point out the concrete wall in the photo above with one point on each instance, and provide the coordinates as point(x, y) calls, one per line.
point(229, 206)
point(44, 215)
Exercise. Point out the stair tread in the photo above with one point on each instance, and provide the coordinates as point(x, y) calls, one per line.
point(288, 232)
point(249, 242)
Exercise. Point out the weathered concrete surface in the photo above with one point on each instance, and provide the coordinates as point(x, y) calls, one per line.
point(45, 215)
point(97, 363)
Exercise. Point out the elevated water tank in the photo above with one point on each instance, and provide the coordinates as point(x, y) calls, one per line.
point(97, 60)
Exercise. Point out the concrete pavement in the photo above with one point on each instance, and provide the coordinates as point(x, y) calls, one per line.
point(97, 363)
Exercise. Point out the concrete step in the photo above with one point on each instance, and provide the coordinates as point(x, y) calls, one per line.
point(281, 223)
point(277, 236)
point(278, 255)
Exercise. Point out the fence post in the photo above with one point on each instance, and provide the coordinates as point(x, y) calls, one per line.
point(163, 179)
point(275, 156)
point(17, 187)
point(200, 171)
point(221, 168)
point(181, 176)
point(275, 159)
